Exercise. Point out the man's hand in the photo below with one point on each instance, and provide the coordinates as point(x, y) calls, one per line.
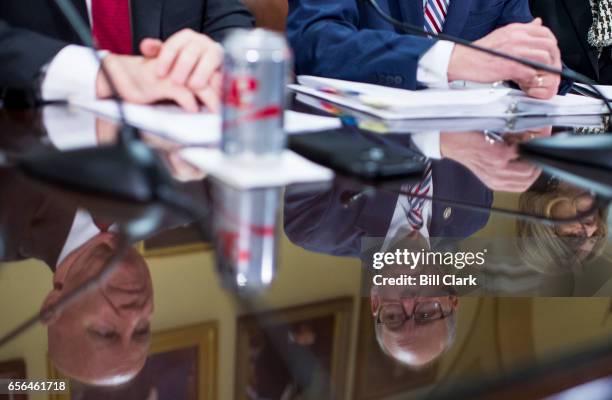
point(532, 41)
point(496, 164)
point(191, 59)
point(543, 86)
point(136, 81)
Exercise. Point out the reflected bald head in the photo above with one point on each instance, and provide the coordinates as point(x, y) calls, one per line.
point(103, 337)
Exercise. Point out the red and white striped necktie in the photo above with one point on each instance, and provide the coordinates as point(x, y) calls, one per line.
point(435, 15)
point(414, 207)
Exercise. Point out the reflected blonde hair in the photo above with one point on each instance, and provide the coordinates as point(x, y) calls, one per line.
point(542, 248)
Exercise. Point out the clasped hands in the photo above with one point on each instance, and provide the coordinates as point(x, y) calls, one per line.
point(496, 164)
point(532, 41)
point(186, 69)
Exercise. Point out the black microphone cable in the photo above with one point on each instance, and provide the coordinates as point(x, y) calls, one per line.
point(598, 203)
point(564, 73)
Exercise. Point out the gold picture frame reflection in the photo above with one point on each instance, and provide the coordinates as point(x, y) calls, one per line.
point(176, 241)
point(182, 364)
point(14, 369)
point(265, 341)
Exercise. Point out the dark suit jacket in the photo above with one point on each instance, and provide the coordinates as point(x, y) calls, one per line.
point(346, 39)
point(33, 224)
point(32, 32)
point(319, 221)
point(570, 21)
point(35, 221)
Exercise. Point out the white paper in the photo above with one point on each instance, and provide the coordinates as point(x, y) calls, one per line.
point(399, 99)
point(287, 169)
point(193, 128)
point(399, 104)
point(605, 89)
point(570, 104)
point(463, 124)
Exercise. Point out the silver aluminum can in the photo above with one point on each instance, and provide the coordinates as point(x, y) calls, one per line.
point(246, 236)
point(257, 68)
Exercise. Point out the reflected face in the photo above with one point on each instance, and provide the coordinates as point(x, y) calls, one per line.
point(567, 207)
point(412, 323)
point(588, 230)
point(104, 336)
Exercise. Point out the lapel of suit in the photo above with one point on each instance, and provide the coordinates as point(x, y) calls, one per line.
point(582, 18)
point(412, 12)
point(81, 6)
point(458, 11)
point(376, 213)
point(146, 20)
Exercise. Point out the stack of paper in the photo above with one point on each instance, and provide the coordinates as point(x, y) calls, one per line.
point(398, 104)
point(412, 125)
point(192, 128)
point(195, 130)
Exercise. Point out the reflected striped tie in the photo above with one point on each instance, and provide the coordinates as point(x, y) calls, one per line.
point(435, 15)
point(414, 209)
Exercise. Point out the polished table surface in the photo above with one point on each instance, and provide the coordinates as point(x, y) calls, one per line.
point(271, 294)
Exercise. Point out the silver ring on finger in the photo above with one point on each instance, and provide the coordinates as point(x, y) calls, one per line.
point(539, 81)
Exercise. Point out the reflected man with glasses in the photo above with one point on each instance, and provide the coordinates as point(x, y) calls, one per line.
point(414, 325)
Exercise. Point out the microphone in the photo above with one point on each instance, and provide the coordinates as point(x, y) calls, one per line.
point(564, 73)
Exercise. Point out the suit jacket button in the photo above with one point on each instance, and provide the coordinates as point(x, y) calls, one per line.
point(447, 213)
point(399, 80)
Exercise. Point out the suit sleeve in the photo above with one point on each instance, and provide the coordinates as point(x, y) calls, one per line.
point(225, 15)
point(515, 11)
point(327, 41)
point(23, 54)
point(318, 222)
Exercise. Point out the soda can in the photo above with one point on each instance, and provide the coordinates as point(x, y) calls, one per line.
point(256, 72)
point(245, 232)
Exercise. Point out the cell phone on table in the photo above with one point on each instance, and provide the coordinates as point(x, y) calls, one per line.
point(355, 155)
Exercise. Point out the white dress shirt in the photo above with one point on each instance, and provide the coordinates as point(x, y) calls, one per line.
point(68, 129)
point(73, 71)
point(82, 230)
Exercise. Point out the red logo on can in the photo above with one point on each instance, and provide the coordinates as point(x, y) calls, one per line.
point(242, 90)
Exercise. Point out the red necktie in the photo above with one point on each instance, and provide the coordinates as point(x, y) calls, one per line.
point(111, 25)
point(103, 226)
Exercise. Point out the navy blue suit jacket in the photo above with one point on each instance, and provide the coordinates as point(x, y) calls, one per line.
point(319, 222)
point(346, 39)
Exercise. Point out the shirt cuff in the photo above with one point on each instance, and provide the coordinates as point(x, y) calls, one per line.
point(432, 70)
point(69, 128)
point(72, 72)
point(428, 143)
